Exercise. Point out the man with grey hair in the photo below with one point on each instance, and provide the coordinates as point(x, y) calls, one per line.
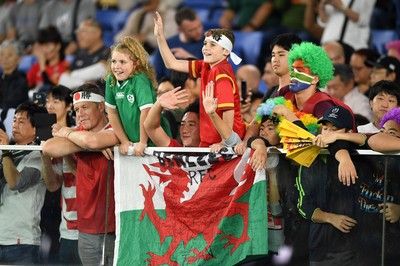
point(94, 173)
point(342, 87)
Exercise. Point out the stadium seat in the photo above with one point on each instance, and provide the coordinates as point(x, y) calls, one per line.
point(8, 121)
point(205, 4)
point(26, 62)
point(209, 11)
point(248, 46)
point(379, 38)
point(112, 21)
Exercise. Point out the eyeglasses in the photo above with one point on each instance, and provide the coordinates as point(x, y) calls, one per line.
point(84, 31)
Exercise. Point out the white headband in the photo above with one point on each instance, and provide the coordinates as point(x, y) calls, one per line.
point(87, 96)
point(226, 44)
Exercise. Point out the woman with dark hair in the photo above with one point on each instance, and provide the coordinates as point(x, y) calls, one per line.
point(57, 173)
point(50, 64)
point(59, 102)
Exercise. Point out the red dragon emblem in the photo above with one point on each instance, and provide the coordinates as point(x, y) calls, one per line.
point(185, 219)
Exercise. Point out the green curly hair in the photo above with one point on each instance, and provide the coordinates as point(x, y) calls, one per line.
point(315, 58)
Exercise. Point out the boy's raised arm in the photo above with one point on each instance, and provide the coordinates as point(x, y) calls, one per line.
point(169, 59)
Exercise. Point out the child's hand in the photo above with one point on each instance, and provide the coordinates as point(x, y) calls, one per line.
point(347, 172)
point(280, 110)
point(209, 102)
point(323, 141)
point(216, 147)
point(392, 212)
point(158, 26)
point(139, 148)
point(342, 222)
point(259, 159)
point(124, 147)
point(171, 99)
point(240, 148)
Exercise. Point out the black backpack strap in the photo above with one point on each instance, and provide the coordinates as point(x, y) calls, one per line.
point(346, 20)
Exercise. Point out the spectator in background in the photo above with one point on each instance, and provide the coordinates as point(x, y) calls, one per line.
point(335, 52)
point(269, 76)
point(342, 86)
point(310, 14)
point(192, 88)
point(66, 15)
point(251, 74)
point(292, 16)
point(90, 60)
point(50, 64)
point(5, 8)
point(186, 44)
point(23, 22)
point(190, 126)
point(342, 22)
point(164, 85)
point(249, 15)
point(393, 48)
point(384, 96)
point(361, 70)
point(385, 68)
point(13, 84)
point(140, 23)
point(128, 5)
point(22, 192)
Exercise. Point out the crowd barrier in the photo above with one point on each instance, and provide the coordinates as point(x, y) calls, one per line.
point(374, 240)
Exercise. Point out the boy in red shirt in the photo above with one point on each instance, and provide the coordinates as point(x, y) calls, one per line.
point(214, 68)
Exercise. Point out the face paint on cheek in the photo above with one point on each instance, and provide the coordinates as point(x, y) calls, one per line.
point(299, 81)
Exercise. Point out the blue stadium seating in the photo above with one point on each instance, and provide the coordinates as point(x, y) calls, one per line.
point(209, 11)
point(26, 62)
point(112, 21)
point(204, 4)
point(248, 46)
point(379, 38)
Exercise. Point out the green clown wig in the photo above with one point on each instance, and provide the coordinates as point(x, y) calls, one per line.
point(315, 58)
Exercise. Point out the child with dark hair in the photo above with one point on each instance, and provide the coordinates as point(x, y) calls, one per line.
point(383, 96)
point(326, 203)
point(374, 172)
point(214, 68)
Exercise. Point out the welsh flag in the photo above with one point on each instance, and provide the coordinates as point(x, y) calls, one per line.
point(183, 209)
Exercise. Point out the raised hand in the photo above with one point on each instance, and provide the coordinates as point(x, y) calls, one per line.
point(171, 99)
point(158, 25)
point(209, 102)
